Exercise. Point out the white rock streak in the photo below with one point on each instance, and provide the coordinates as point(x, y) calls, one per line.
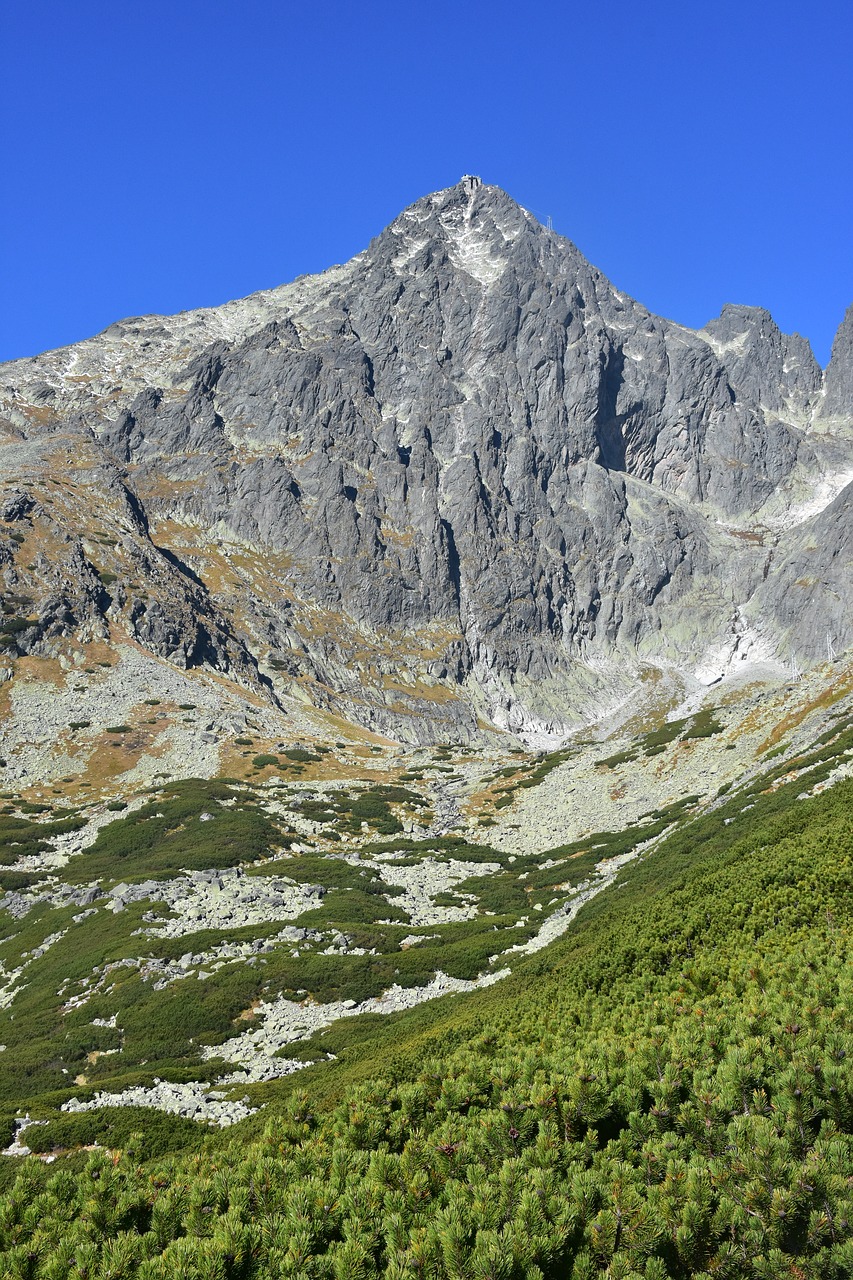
point(196, 1101)
point(286, 1022)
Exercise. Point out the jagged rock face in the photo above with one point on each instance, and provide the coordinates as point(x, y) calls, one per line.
point(839, 373)
point(765, 367)
point(468, 429)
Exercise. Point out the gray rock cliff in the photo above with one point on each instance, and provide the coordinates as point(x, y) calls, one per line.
point(839, 373)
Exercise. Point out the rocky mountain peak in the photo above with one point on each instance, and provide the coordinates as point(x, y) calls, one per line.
point(464, 453)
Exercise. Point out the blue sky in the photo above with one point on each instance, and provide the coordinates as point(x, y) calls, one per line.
point(161, 156)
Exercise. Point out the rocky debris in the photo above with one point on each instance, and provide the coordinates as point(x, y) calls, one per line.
point(83, 896)
point(256, 1053)
point(422, 883)
point(204, 964)
point(20, 904)
point(281, 1022)
point(121, 895)
point(445, 806)
point(227, 899)
point(43, 711)
point(584, 795)
point(284, 1022)
point(197, 1101)
point(16, 1147)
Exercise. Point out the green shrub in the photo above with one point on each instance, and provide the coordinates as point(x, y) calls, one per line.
point(147, 1132)
point(622, 757)
point(165, 836)
point(264, 761)
point(680, 1054)
point(703, 725)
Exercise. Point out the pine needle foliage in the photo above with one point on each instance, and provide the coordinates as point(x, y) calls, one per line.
point(666, 1092)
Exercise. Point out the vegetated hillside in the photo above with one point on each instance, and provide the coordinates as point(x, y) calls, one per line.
point(666, 1091)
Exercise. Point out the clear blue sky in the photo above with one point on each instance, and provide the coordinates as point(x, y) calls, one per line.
point(165, 155)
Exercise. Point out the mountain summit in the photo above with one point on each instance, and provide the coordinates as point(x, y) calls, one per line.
point(460, 480)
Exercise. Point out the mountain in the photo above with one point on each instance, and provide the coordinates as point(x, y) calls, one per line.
point(426, 749)
point(461, 481)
